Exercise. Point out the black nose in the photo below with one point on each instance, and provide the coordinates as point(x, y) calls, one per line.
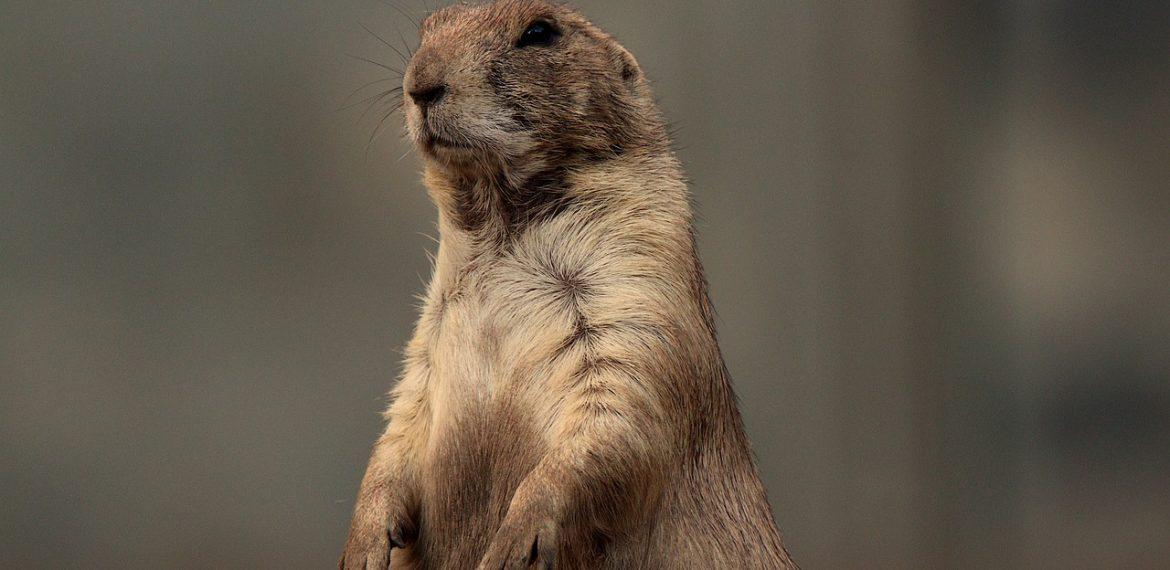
point(426, 96)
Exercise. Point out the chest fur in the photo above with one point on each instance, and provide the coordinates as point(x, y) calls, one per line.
point(499, 332)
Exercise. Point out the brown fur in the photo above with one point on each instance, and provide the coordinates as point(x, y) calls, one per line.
point(564, 399)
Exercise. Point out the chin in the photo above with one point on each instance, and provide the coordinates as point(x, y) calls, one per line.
point(466, 156)
point(446, 150)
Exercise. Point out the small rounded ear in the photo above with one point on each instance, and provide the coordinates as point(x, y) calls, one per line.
point(630, 71)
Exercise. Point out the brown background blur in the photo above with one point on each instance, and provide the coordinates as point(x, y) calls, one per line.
point(937, 232)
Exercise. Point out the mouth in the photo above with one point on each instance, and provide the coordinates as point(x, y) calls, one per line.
point(432, 141)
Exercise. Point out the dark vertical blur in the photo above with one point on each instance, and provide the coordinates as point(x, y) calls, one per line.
point(936, 231)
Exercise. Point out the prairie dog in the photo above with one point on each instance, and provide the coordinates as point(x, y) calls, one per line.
point(564, 402)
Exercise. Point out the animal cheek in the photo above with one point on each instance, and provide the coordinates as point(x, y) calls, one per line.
point(580, 100)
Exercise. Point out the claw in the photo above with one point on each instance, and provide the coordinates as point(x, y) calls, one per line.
point(533, 552)
point(396, 538)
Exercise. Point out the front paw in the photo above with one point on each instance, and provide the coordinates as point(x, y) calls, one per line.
point(372, 535)
point(528, 538)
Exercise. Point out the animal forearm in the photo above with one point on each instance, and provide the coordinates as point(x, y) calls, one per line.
point(385, 515)
point(408, 423)
point(599, 479)
point(604, 478)
point(609, 452)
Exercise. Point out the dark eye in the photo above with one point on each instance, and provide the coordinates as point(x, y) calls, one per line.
point(539, 33)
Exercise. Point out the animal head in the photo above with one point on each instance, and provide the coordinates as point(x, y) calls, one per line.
point(507, 88)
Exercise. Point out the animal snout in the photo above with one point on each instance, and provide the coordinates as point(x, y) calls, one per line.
point(426, 80)
point(428, 95)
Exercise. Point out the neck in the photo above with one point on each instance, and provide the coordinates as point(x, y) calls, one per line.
point(498, 203)
point(638, 199)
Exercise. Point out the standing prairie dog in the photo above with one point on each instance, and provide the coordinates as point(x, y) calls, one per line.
point(564, 402)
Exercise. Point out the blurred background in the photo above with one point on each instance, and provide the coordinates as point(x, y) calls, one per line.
point(937, 234)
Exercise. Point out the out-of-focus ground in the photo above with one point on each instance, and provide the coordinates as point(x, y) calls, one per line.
point(937, 233)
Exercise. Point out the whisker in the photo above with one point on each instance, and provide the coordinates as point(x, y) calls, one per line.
point(371, 106)
point(412, 20)
point(374, 82)
point(382, 65)
point(405, 61)
point(381, 123)
point(405, 43)
point(376, 96)
point(401, 11)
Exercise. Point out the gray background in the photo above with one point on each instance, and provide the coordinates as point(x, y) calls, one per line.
point(936, 233)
